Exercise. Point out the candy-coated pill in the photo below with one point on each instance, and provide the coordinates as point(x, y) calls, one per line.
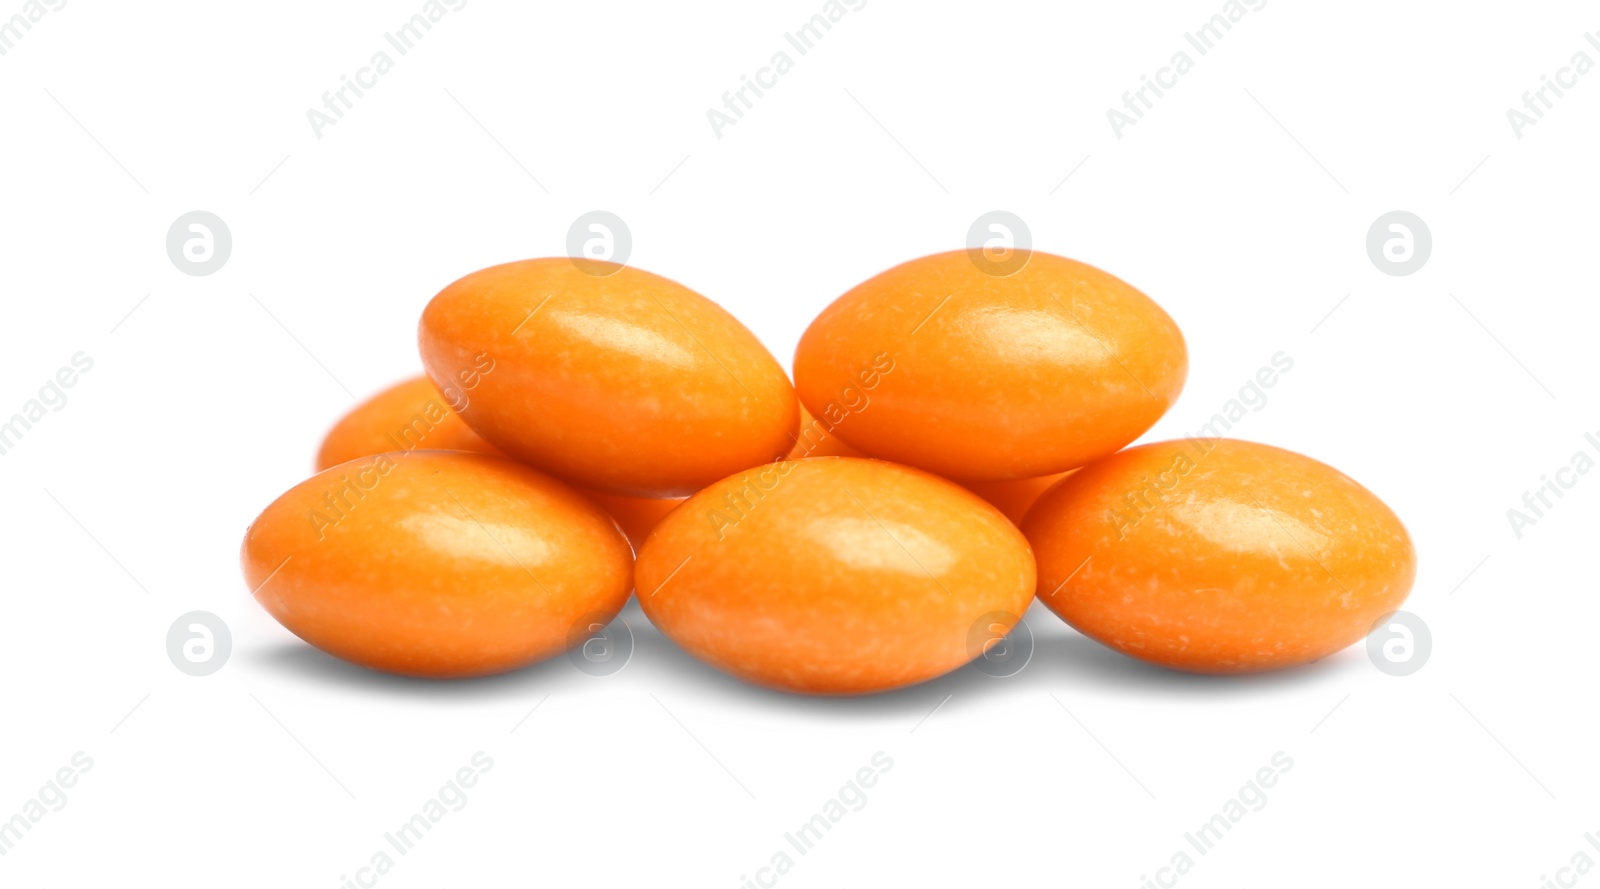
point(943, 364)
point(437, 563)
point(414, 414)
point(1219, 556)
point(636, 516)
point(608, 376)
point(834, 575)
point(1015, 497)
point(406, 416)
point(814, 440)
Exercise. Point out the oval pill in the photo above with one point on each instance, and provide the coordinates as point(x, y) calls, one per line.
point(415, 414)
point(1219, 556)
point(436, 563)
point(408, 415)
point(941, 364)
point(834, 575)
point(1016, 496)
point(608, 376)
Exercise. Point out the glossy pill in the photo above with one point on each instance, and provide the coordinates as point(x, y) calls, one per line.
point(608, 376)
point(408, 415)
point(638, 516)
point(1016, 496)
point(1219, 556)
point(940, 363)
point(415, 414)
point(815, 439)
point(437, 563)
point(834, 575)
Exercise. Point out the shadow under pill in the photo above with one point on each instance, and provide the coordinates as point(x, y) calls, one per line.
point(1062, 661)
point(680, 670)
point(300, 661)
point(1066, 659)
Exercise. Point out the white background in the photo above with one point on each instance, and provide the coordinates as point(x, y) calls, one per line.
point(1241, 203)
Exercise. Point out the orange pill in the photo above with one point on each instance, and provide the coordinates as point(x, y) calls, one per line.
point(437, 563)
point(415, 414)
point(945, 364)
point(1219, 556)
point(408, 415)
point(1016, 497)
point(608, 376)
point(834, 575)
point(815, 440)
point(636, 516)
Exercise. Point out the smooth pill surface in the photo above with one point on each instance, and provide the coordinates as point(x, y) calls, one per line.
point(639, 515)
point(943, 364)
point(414, 414)
point(437, 563)
point(1017, 496)
point(834, 575)
point(408, 415)
point(815, 440)
point(1219, 556)
point(636, 516)
point(608, 376)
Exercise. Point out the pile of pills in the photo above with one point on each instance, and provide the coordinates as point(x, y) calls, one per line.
point(953, 444)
